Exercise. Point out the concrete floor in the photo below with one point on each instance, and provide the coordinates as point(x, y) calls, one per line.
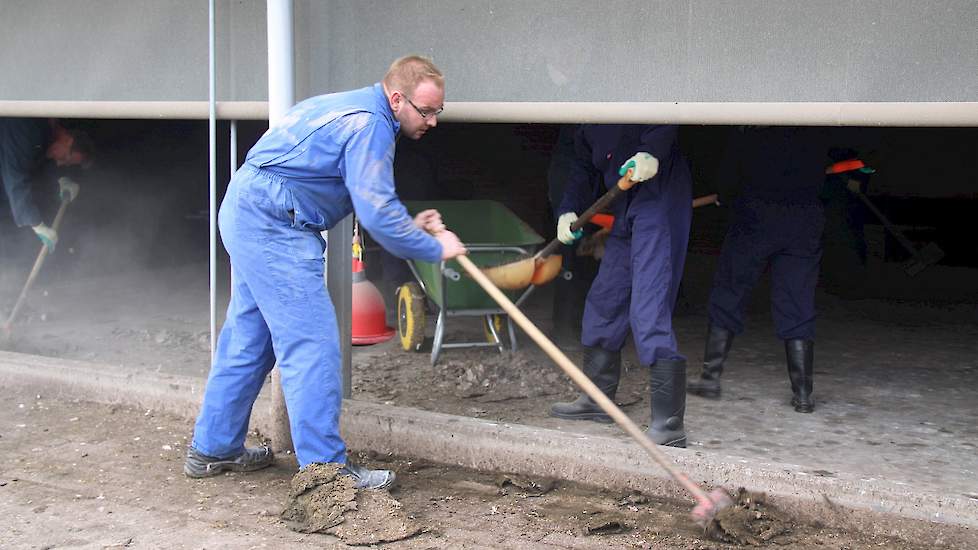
point(894, 381)
point(895, 403)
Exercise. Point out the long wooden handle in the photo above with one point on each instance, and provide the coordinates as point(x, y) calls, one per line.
point(900, 237)
point(705, 200)
point(35, 270)
point(583, 381)
point(624, 184)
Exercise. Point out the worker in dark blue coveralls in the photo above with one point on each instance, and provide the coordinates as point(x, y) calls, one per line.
point(328, 156)
point(639, 276)
point(777, 221)
point(24, 145)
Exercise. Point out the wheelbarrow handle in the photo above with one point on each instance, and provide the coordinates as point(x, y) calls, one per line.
point(624, 184)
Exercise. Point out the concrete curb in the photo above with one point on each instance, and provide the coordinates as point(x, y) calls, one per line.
point(473, 443)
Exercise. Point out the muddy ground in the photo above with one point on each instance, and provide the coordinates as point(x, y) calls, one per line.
point(894, 390)
point(84, 475)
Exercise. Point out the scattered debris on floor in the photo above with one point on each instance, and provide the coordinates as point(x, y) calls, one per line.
point(750, 521)
point(604, 525)
point(527, 486)
point(323, 501)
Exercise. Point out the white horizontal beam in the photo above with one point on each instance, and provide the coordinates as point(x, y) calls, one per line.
point(950, 114)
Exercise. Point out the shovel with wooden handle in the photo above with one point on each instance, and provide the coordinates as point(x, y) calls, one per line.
point(920, 259)
point(542, 267)
point(41, 256)
point(707, 504)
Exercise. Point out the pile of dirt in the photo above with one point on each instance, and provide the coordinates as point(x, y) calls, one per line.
point(477, 375)
point(323, 501)
point(751, 521)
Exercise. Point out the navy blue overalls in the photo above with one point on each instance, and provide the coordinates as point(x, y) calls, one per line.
point(328, 156)
point(778, 221)
point(639, 276)
point(22, 142)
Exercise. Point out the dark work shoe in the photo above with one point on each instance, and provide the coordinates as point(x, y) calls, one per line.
point(583, 408)
point(199, 465)
point(365, 478)
point(604, 369)
point(707, 384)
point(668, 384)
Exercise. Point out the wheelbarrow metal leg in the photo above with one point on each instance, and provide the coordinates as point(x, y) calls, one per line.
point(491, 323)
point(439, 335)
point(512, 333)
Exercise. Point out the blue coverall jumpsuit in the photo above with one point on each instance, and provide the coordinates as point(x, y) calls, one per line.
point(639, 276)
point(329, 156)
point(778, 221)
point(22, 143)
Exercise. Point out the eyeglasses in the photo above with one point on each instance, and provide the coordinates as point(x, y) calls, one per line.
point(424, 114)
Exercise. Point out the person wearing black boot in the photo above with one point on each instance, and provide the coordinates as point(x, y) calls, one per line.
point(777, 221)
point(604, 369)
point(639, 275)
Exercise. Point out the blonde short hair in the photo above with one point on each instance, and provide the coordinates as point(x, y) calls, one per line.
point(407, 72)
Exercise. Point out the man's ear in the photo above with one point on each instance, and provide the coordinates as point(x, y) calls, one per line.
point(396, 101)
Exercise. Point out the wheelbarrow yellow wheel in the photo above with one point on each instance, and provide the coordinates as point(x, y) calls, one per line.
point(410, 316)
point(498, 323)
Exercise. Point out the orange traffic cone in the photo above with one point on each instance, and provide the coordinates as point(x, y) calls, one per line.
point(369, 311)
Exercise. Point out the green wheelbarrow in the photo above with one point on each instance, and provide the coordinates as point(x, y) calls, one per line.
point(493, 236)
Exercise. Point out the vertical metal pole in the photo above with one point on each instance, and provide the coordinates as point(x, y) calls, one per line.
point(339, 281)
point(233, 140)
point(212, 182)
point(281, 96)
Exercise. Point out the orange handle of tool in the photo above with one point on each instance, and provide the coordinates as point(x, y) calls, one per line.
point(705, 200)
point(607, 220)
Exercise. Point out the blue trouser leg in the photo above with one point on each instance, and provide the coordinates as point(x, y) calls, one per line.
point(794, 275)
point(283, 269)
point(635, 290)
point(743, 259)
point(243, 359)
point(658, 254)
point(605, 323)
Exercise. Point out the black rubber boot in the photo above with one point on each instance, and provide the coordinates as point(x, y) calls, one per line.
point(668, 403)
point(718, 342)
point(604, 369)
point(199, 465)
point(800, 355)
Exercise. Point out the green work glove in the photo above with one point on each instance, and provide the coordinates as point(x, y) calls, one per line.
point(47, 235)
point(644, 166)
point(564, 233)
point(68, 189)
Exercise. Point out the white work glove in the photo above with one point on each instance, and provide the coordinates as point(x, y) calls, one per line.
point(644, 166)
point(564, 233)
point(47, 235)
point(67, 189)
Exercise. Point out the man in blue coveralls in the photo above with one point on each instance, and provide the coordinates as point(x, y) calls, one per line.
point(329, 156)
point(640, 272)
point(24, 144)
point(777, 221)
